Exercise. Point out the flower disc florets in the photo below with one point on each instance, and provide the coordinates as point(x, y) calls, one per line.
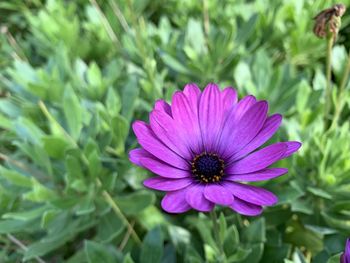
point(208, 168)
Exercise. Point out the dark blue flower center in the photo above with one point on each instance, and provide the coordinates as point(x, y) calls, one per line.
point(207, 167)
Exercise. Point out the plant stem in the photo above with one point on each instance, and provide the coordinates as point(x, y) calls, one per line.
point(328, 95)
point(119, 213)
point(218, 240)
point(105, 23)
point(340, 100)
point(22, 246)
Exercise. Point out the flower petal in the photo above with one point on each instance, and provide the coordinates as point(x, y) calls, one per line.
point(175, 202)
point(269, 128)
point(162, 169)
point(242, 132)
point(192, 92)
point(218, 194)
point(261, 175)
point(151, 144)
point(195, 198)
point(292, 147)
point(258, 160)
point(251, 194)
point(166, 130)
point(165, 184)
point(244, 105)
point(245, 208)
point(163, 106)
point(210, 115)
point(185, 114)
point(229, 98)
point(136, 154)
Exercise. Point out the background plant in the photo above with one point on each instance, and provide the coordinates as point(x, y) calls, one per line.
point(75, 74)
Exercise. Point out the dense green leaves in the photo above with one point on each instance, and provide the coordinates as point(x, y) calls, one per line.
point(74, 75)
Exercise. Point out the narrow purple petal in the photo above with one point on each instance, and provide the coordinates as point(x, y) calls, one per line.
point(175, 202)
point(261, 175)
point(136, 154)
point(166, 184)
point(242, 132)
point(210, 115)
point(185, 114)
point(151, 144)
point(195, 198)
point(245, 208)
point(192, 91)
point(345, 257)
point(292, 147)
point(244, 105)
point(229, 98)
point(163, 106)
point(218, 194)
point(162, 169)
point(258, 160)
point(269, 128)
point(347, 249)
point(166, 130)
point(251, 194)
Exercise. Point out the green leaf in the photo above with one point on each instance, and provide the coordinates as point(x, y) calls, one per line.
point(256, 253)
point(319, 192)
point(255, 232)
point(95, 165)
point(231, 240)
point(302, 236)
point(26, 215)
point(174, 64)
point(135, 203)
point(336, 221)
point(97, 86)
point(14, 226)
point(39, 193)
point(128, 259)
point(55, 146)
point(334, 259)
point(120, 128)
point(96, 252)
point(113, 102)
point(179, 235)
point(152, 247)
point(169, 255)
point(223, 227)
point(240, 255)
point(304, 91)
point(73, 112)
point(27, 130)
point(86, 206)
point(130, 94)
point(246, 30)
point(15, 177)
point(109, 227)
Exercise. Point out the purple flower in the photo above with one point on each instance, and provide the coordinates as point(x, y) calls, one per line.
point(205, 145)
point(345, 257)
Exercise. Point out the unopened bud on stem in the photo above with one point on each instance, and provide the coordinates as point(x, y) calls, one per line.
point(328, 21)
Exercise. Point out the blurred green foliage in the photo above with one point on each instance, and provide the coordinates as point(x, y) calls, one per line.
point(75, 74)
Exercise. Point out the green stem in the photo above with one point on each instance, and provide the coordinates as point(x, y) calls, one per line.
point(328, 98)
point(218, 240)
point(340, 100)
point(108, 198)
